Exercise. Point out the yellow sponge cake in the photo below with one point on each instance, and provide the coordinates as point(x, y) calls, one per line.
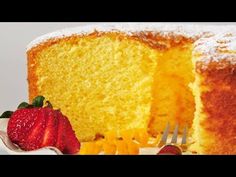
point(140, 76)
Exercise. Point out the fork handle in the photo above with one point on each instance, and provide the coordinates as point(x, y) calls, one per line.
point(170, 149)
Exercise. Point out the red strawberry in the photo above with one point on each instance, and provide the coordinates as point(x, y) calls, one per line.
point(50, 132)
point(170, 150)
point(32, 128)
point(61, 133)
point(21, 122)
point(35, 135)
point(72, 145)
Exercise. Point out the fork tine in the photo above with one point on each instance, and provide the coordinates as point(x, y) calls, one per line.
point(184, 139)
point(165, 135)
point(175, 135)
point(184, 136)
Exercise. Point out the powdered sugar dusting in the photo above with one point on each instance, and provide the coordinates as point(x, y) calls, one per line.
point(188, 30)
point(217, 47)
point(213, 42)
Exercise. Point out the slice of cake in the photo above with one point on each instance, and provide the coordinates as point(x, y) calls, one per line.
point(215, 94)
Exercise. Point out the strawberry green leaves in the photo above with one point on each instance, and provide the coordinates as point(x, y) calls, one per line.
point(6, 114)
point(23, 105)
point(38, 101)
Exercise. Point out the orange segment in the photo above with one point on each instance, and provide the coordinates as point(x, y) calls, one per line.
point(109, 148)
point(110, 136)
point(127, 134)
point(141, 136)
point(85, 148)
point(130, 143)
point(90, 148)
point(122, 148)
point(97, 147)
point(133, 148)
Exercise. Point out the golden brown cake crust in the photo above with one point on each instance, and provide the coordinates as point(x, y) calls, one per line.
point(219, 104)
point(32, 77)
point(154, 40)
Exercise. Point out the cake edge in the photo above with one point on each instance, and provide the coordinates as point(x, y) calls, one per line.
point(185, 29)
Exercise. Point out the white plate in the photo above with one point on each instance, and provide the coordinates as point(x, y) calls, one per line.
point(3, 124)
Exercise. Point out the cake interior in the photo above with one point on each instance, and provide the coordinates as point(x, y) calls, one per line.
point(112, 82)
point(173, 101)
point(101, 83)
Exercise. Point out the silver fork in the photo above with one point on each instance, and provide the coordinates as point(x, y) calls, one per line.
point(173, 147)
